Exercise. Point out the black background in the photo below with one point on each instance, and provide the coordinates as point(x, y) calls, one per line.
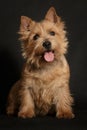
point(74, 13)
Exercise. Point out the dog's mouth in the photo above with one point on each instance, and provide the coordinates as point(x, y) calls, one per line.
point(49, 56)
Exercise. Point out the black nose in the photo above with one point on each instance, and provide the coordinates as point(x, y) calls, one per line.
point(47, 44)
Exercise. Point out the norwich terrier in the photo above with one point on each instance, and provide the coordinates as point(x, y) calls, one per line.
point(44, 83)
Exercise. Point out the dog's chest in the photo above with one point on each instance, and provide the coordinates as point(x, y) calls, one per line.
point(42, 97)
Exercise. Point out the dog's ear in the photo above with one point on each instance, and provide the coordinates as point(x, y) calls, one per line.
point(52, 16)
point(25, 23)
point(25, 27)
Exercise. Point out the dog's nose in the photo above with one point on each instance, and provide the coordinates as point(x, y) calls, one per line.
point(47, 44)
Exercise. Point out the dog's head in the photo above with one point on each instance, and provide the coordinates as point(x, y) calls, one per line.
point(45, 41)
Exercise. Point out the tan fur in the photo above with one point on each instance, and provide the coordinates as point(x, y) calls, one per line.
point(43, 86)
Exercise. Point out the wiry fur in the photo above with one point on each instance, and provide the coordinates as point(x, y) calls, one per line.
point(43, 86)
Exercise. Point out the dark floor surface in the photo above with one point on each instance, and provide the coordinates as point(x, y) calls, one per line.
point(44, 123)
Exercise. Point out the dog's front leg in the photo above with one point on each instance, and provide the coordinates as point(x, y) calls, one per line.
point(26, 109)
point(63, 103)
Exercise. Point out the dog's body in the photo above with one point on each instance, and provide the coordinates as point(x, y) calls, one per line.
point(44, 84)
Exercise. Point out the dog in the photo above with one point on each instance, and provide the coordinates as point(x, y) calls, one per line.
point(44, 84)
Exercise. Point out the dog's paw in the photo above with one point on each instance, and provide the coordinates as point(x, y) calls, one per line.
point(66, 115)
point(10, 110)
point(26, 114)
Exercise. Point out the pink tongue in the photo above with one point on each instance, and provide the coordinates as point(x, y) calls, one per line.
point(49, 56)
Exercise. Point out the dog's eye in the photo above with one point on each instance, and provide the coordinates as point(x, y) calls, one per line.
point(52, 33)
point(36, 36)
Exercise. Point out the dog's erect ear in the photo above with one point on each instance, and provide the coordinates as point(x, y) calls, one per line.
point(25, 23)
point(25, 27)
point(52, 16)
